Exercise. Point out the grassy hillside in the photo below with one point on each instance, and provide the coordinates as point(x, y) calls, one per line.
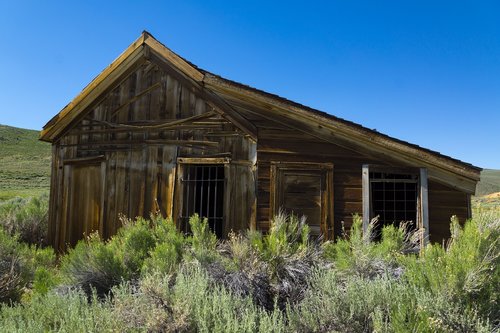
point(24, 163)
point(490, 182)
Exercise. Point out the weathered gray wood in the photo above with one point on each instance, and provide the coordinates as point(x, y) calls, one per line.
point(365, 175)
point(424, 205)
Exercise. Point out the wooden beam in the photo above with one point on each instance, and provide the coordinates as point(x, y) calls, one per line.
point(230, 114)
point(164, 52)
point(84, 160)
point(135, 98)
point(424, 206)
point(217, 103)
point(203, 160)
point(143, 142)
point(365, 180)
point(160, 126)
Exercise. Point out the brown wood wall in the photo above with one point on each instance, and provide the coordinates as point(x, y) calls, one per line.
point(139, 170)
point(140, 164)
point(444, 202)
point(286, 145)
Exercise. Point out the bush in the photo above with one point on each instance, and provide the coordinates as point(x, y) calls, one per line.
point(334, 303)
point(92, 265)
point(132, 244)
point(169, 251)
point(288, 255)
point(203, 241)
point(188, 303)
point(61, 313)
point(18, 264)
point(162, 281)
point(467, 271)
point(27, 218)
point(357, 253)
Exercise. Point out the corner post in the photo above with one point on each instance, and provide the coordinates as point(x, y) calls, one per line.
point(366, 196)
point(424, 205)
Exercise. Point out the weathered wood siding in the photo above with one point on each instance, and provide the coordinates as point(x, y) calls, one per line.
point(300, 147)
point(444, 202)
point(140, 164)
point(121, 155)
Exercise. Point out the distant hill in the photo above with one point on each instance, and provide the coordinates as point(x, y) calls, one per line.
point(490, 182)
point(24, 163)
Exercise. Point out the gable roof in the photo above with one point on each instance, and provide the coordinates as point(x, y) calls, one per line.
point(145, 47)
point(452, 171)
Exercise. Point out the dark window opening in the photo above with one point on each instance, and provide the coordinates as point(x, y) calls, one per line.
point(393, 199)
point(203, 189)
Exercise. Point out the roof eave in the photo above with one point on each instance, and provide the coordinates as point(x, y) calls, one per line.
point(348, 128)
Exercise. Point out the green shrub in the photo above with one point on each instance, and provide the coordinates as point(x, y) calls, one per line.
point(18, 263)
point(467, 271)
point(45, 279)
point(217, 310)
point(169, 251)
point(251, 282)
point(287, 235)
point(288, 255)
point(59, 313)
point(26, 217)
point(92, 265)
point(188, 303)
point(334, 303)
point(132, 244)
point(357, 253)
point(203, 241)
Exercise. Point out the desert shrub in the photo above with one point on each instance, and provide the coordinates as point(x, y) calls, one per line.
point(18, 264)
point(334, 303)
point(288, 234)
point(149, 306)
point(189, 302)
point(357, 253)
point(218, 310)
point(45, 279)
point(440, 313)
point(202, 240)
point(132, 244)
point(467, 271)
point(12, 278)
point(27, 218)
point(242, 271)
point(92, 265)
point(169, 251)
point(55, 313)
point(288, 255)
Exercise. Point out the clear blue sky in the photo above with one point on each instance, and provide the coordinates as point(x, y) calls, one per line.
point(427, 72)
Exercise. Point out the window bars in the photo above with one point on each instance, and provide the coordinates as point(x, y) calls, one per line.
point(203, 194)
point(394, 198)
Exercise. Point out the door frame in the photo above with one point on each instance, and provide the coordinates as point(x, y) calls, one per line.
point(327, 193)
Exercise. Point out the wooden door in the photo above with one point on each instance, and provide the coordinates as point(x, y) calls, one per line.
point(84, 194)
point(305, 189)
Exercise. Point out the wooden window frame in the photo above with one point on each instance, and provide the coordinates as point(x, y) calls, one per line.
point(422, 197)
point(179, 188)
point(327, 214)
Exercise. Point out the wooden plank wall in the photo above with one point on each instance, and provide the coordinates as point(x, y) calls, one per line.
point(141, 164)
point(288, 145)
point(445, 202)
point(140, 172)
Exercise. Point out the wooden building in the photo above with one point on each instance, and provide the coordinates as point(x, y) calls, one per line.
point(153, 131)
